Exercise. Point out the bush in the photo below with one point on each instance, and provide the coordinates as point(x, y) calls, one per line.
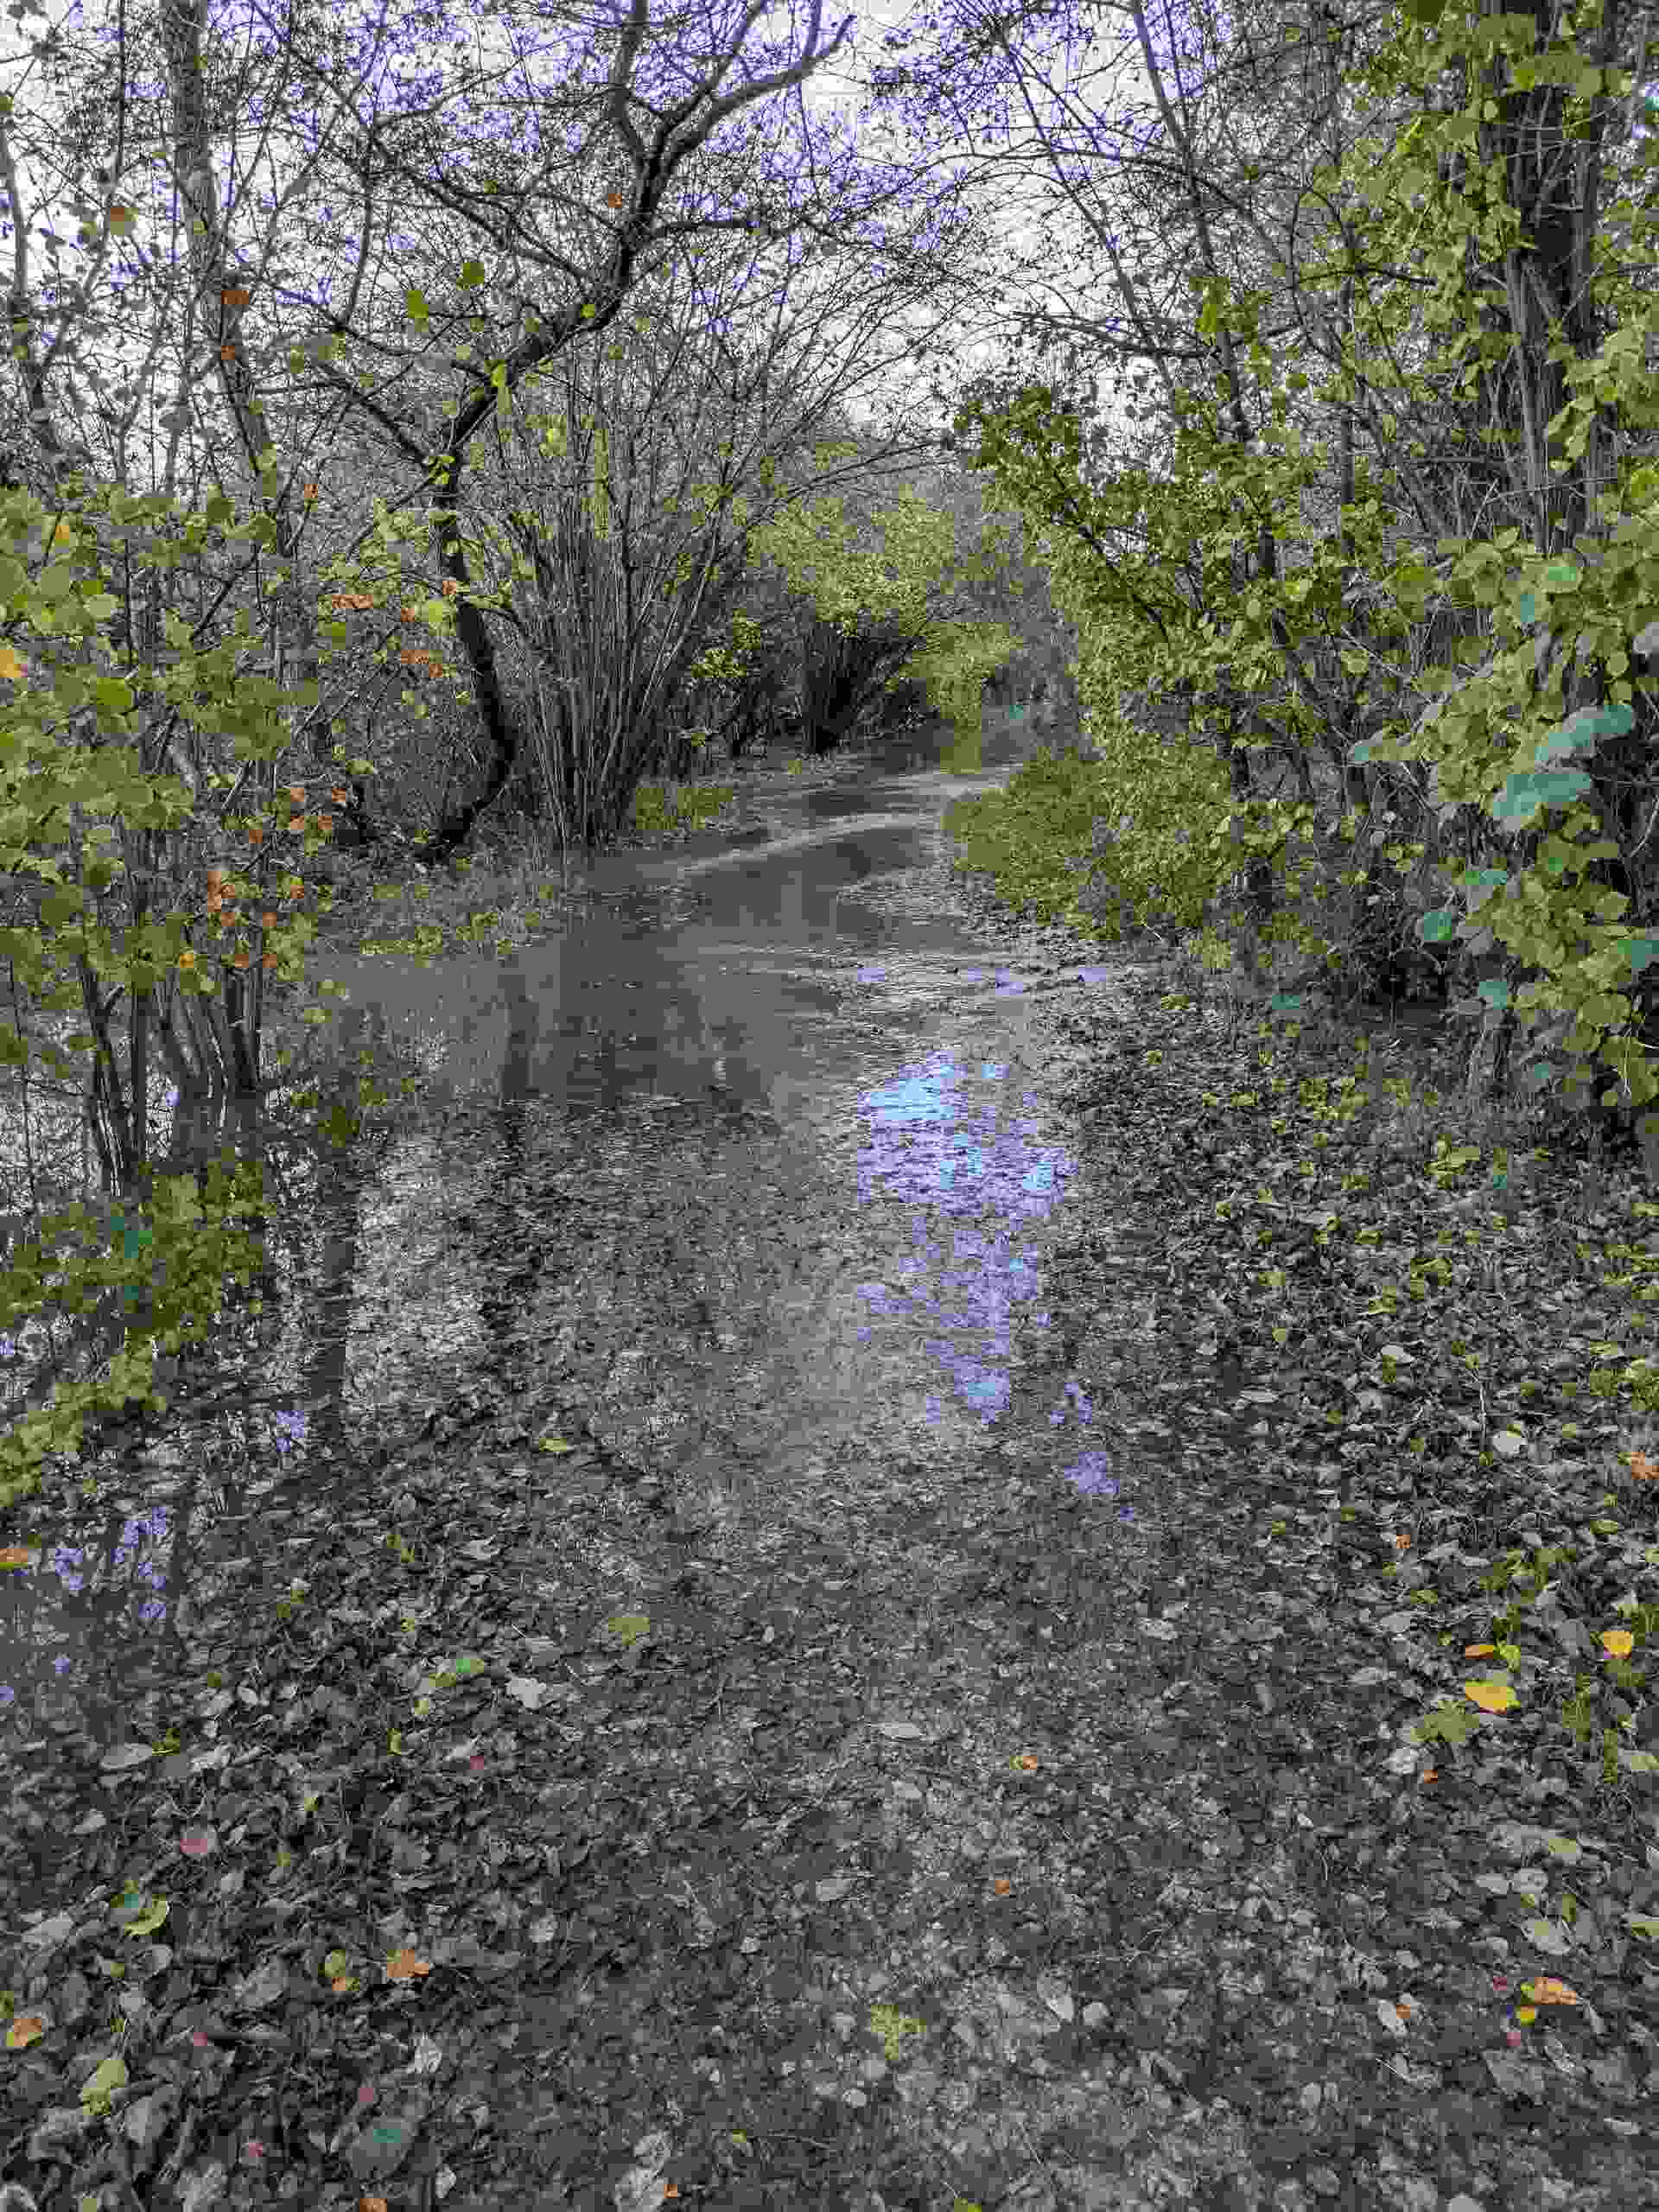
point(1033, 836)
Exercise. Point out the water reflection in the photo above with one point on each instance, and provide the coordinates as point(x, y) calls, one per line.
point(944, 1143)
point(429, 1259)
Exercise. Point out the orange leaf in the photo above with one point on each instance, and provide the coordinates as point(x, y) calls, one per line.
point(236, 295)
point(16, 1555)
point(296, 793)
point(1402, 1543)
point(1001, 1886)
point(256, 834)
point(1643, 1469)
point(326, 823)
point(267, 961)
point(404, 1965)
point(310, 492)
point(339, 796)
point(1478, 1651)
point(239, 959)
point(297, 825)
point(1547, 1990)
point(1490, 1697)
point(27, 2028)
point(268, 921)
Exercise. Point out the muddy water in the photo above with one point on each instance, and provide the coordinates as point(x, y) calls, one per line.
point(737, 1178)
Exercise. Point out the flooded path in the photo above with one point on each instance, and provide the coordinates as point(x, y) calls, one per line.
point(727, 1637)
point(736, 1181)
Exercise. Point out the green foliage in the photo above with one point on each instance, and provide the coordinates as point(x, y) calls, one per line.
point(1033, 837)
point(167, 1264)
point(731, 662)
point(954, 663)
point(853, 586)
point(1167, 854)
point(654, 810)
point(74, 791)
point(1534, 757)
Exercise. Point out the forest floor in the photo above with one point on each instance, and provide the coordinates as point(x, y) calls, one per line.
point(937, 1838)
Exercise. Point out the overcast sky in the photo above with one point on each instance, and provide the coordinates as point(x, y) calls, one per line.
point(833, 88)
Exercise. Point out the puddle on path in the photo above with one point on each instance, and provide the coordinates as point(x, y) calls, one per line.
point(741, 1180)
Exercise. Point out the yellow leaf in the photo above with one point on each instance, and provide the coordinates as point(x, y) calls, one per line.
point(1618, 1643)
point(11, 665)
point(1490, 1697)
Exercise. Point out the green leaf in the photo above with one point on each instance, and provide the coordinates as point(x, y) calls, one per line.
point(101, 2084)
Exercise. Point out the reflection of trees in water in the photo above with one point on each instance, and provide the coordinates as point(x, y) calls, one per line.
point(633, 1276)
point(943, 1143)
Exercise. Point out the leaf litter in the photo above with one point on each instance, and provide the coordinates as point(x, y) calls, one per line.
point(582, 1802)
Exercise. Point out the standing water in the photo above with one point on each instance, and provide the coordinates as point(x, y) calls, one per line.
point(733, 1184)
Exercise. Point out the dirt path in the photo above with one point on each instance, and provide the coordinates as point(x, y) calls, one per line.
point(752, 1811)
